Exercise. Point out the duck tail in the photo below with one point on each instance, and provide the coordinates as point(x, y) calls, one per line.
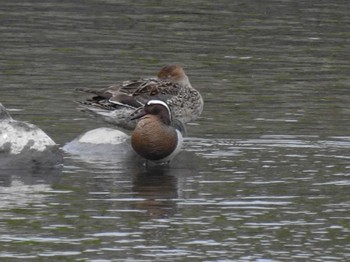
point(86, 90)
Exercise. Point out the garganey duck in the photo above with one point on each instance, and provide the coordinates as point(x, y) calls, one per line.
point(155, 137)
point(172, 86)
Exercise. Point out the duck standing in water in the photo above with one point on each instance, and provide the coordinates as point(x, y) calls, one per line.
point(155, 138)
point(172, 86)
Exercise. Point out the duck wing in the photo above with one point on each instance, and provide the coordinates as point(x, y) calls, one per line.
point(102, 93)
point(137, 92)
point(132, 93)
point(111, 97)
point(125, 95)
point(156, 89)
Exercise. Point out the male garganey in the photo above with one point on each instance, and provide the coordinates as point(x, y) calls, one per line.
point(155, 137)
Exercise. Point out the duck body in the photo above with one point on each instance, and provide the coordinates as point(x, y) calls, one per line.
point(116, 103)
point(154, 137)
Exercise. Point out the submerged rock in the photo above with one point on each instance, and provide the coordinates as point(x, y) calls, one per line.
point(103, 135)
point(103, 143)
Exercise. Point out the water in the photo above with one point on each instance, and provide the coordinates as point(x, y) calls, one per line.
point(264, 174)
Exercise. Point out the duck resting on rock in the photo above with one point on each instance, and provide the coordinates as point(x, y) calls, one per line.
point(171, 85)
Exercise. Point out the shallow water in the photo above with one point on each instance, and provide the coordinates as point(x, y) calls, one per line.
point(264, 174)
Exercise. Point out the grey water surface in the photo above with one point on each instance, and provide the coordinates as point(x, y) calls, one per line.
point(265, 171)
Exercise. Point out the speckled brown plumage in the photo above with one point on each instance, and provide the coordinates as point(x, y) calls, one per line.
point(117, 102)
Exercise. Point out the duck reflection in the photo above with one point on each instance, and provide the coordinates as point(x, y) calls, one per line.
point(161, 187)
point(157, 187)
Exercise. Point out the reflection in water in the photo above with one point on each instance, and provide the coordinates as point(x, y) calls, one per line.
point(157, 187)
point(30, 176)
point(19, 187)
point(265, 173)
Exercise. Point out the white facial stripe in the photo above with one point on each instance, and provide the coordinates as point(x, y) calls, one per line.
point(159, 102)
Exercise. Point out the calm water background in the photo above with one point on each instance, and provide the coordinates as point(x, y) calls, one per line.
point(265, 172)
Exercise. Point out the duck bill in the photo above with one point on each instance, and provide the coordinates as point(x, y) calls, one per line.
point(138, 114)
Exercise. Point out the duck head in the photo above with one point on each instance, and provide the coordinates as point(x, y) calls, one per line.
point(175, 74)
point(156, 108)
